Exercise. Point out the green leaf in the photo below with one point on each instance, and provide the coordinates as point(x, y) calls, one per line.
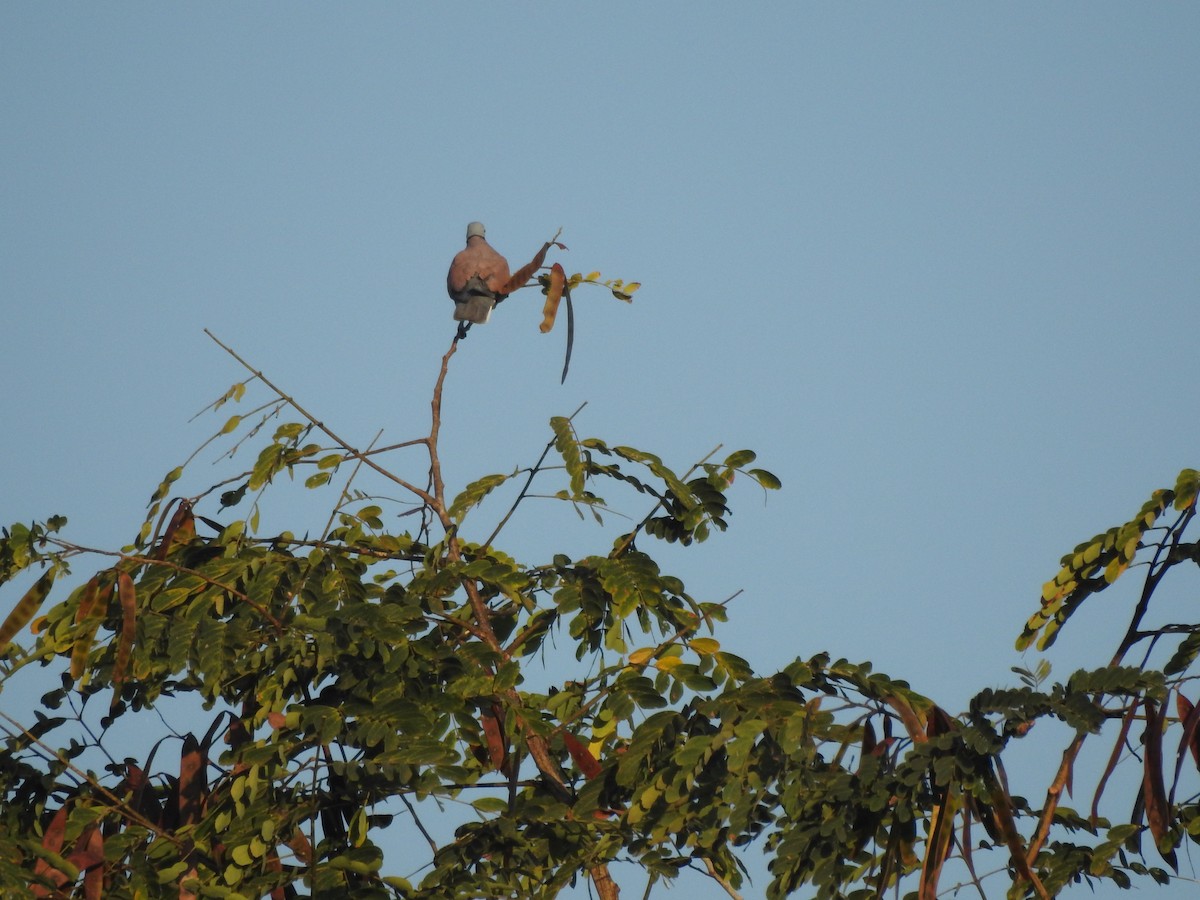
point(317, 480)
point(567, 444)
point(473, 495)
point(733, 665)
point(1186, 487)
point(631, 580)
point(172, 872)
point(740, 459)
point(490, 804)
point(269, 462)
point(1184, 656)
point(627, 291)
point(164, 486)
point(370, 516)
point(767, 480)
point(674, 484)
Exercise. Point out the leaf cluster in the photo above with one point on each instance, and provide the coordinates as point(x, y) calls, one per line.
point(396, 669)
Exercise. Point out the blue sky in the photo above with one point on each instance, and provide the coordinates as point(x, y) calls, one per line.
point(937, 264)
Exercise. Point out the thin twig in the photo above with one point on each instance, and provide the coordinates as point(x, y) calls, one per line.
point(528, 481)
point(345, 494)
point(412, 488)
point(222, 432)
point(724, 883)
point(399, 446)
point(131, 814)
point(1154, 575)
point(1053, 795)
point(417, 821)
point(435, 429)
point(220, 401)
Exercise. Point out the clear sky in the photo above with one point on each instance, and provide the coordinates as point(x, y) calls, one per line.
point(937, 263)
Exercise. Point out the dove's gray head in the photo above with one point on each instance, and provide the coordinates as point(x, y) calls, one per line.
point(475, 229)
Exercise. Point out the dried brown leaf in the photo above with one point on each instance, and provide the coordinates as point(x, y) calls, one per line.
point(180, 530)
point(299, 844)
point(582, 756)
point(939, 722)
point(1154, 792)
point(88, 856)
point(184, 893)
point(127, 594)
point(1189, 717)
point(937, 845)
point(89, 615)
point(554, 292)
point(1005, 822)
point(493, 731)
point(191, 781)
point(52, 840)
point(1113, 758)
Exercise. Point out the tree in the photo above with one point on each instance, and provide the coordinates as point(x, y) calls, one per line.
point(366, 678)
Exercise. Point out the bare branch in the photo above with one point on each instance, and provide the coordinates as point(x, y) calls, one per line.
point(716, 876)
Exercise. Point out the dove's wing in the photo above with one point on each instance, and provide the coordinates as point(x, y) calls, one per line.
point(477, 276)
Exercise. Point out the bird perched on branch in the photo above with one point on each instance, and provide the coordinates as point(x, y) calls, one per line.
point(478, 279)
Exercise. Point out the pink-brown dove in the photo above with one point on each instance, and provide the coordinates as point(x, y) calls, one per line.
point(476, 279)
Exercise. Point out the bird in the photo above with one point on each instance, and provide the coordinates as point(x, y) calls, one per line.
point(477, 280)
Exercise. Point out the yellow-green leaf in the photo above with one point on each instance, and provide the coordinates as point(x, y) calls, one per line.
point(317, 480)
point(641, 656)
point(567, 444)
point(1186, 488)
point(707, 646)
point(766, 480)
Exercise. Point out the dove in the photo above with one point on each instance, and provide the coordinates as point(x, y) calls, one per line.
point(477, 280)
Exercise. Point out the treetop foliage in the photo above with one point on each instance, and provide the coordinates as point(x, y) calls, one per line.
point(387, 668)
